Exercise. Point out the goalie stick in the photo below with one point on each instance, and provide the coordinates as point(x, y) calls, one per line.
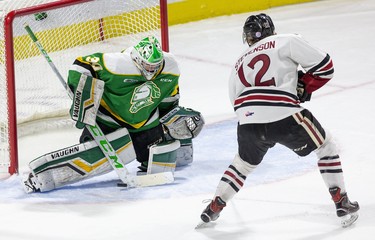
point(102, 141)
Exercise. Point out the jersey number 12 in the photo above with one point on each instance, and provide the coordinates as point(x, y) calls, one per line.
point(265, 59)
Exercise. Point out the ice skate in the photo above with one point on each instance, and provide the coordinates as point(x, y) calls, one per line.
point(212, 211)
point(345, 209)
point(31, 184)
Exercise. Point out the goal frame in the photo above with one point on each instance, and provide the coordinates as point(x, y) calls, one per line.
point(10, 64)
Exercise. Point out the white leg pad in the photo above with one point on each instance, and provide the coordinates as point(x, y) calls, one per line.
point(185, 153)
point(163, 157)
point(78, 162)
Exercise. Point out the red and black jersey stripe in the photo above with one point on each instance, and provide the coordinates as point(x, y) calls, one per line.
point(324, 68)
point(318, 75)
point(266, 97)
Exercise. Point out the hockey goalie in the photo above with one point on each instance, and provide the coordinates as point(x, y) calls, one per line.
point(133, 97)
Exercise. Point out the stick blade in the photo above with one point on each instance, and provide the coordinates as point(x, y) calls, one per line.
point(154, 179)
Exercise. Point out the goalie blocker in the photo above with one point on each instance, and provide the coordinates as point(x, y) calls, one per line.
point(86, 160)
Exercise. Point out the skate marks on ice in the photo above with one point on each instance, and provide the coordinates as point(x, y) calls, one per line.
point(259, 218)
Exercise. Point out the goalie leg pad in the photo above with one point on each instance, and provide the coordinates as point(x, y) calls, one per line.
point(79, 162)
point(185, 153)
point(163, 157)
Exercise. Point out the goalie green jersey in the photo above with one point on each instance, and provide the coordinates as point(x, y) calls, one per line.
point(129, 100)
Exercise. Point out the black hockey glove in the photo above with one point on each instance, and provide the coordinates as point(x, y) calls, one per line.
point(302, 95)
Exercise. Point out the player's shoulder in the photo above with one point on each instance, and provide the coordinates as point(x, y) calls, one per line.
point(286, 40)
point(123, 56)
point(170, 64)
point(96, 54)
point(287, 36)
point(119, 62)
point(91, 57)
point(170, 59)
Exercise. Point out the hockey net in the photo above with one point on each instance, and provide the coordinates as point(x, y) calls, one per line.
point(32, 98)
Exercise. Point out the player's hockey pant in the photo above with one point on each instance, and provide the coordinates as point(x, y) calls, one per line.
point(301, 133)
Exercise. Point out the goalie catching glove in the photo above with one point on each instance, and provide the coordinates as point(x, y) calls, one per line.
point(182, 123)
point(86, 101)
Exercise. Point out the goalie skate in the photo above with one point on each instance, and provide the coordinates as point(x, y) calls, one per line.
point(30, 183)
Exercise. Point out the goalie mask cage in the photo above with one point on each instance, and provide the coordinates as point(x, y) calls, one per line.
point(32, 97)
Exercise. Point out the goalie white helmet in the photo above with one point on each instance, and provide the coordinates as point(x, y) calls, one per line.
point(183, 123)
point(148, 56)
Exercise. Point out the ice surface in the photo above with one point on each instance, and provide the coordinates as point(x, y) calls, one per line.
point(285, 198)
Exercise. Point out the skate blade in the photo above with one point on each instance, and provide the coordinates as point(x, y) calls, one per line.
point(202, 225)
point(349, 219)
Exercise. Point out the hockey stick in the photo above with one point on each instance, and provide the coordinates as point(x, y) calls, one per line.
point(102, 141)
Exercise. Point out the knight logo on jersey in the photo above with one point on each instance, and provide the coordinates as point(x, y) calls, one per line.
point(143, 95)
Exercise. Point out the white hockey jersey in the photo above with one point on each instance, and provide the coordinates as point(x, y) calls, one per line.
point(263, 82)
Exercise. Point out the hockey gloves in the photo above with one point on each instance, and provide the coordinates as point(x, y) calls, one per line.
point(183, 123)
point(302, 94)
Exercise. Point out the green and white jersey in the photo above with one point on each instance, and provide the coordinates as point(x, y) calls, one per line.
point(129, 100)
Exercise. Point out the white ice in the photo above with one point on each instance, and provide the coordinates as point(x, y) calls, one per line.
point(285, 198)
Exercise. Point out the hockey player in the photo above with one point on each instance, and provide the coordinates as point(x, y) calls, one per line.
point(133, 96)
point(141, 86)
point(266, 89)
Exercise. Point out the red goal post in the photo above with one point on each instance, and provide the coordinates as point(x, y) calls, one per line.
point(31, 97)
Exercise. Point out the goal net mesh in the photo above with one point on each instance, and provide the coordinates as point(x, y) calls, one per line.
point(65, 33)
